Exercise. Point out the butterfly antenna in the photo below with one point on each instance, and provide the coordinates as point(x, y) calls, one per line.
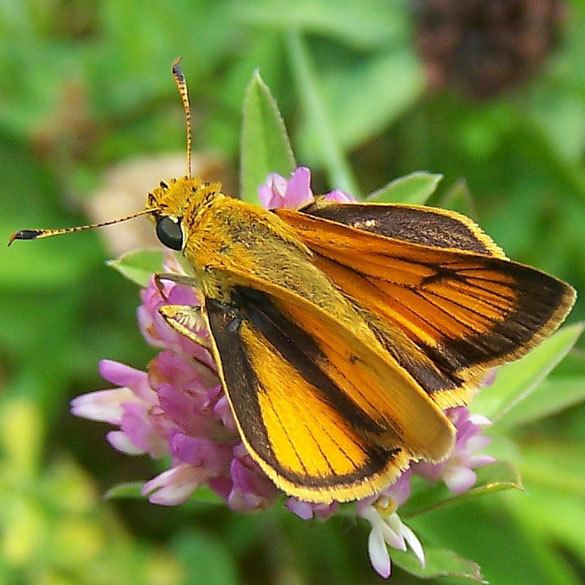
point(182, 87)
point(37, 234)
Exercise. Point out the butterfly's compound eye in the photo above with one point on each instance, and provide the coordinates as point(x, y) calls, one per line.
point(168, 231)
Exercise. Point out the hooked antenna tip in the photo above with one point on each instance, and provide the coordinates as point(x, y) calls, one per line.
point(24, 235)
point(177, 71)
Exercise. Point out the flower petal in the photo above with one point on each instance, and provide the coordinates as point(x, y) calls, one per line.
point(251, 488)
point(271, 193)
point(393, 532)
point(169, 368)
point(480, 420)
point(174, 486)
point(120, 374)
point(298, 190)
point(186, 411)
point(392, 538)
point(201, 452)
point(139, 426)
point(124, 375)
point(371, 514)
point(325, 511)
point(121, 441)
point(223, 411)
point(430, 471)
point(378, 553)
point(414, 544)
point(399, 491)
point(481, 460)
point(477, 443)
point(459, 479)
point(339, 196)
point(308, 511)
point(147, 328)
point(103, 406)
point(303, 510)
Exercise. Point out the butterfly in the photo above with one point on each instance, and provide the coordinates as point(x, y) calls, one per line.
point(343, 331)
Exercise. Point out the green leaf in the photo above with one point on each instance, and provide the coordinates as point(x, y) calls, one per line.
point(517, 380)
point(561, 516)
point(139, 265)
point(508, 552)
point(414, 189)
point(127, 490)
point(459, 198)
point(549, 398)
point(265, 146)
point(364, 95)
point(492, 478)
point(206, 559)
point(557, 465)
point(366, 24)
point(440, 562)
point(337, 167)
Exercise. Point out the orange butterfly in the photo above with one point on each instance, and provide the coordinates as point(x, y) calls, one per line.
point(343, 331)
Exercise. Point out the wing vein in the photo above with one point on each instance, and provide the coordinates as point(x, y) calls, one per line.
point(284, 429)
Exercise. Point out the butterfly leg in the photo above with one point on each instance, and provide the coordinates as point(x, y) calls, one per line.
point(186, 320)
point(173, 277)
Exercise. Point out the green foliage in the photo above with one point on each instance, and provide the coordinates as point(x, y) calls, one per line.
point(393, 80)
point(334, 161)
point(550, 397)
point(87, 85)
point(497, 477)
point(517, 380)
point(370, 25)
point(138, 266)
point(212, 560)
point(439, 563)
point(265, 144)
point(415, 189)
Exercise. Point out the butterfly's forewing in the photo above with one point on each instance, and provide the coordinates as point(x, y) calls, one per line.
point(446, 304)
point(325, 417)
point(419, 224)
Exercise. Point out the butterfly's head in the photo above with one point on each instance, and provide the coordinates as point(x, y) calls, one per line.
point(174, 205)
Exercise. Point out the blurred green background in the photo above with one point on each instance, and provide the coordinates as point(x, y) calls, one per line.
point(85, 88)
